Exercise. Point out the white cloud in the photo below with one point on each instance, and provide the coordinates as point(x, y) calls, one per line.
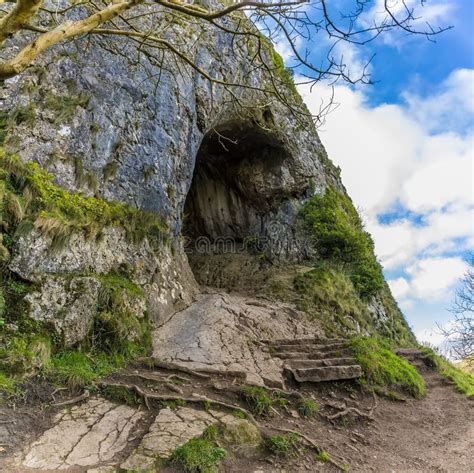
point(431, 278)
point(450, 108)
point(388, 158)
point(413, 160)
point(437, 13)
point(400, 287)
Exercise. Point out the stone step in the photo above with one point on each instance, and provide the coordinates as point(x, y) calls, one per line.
point(314, 355)
point(295, 364)
point(329, 373)
point(303, 341)
point(309, 347)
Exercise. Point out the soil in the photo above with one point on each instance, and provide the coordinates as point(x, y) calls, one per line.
point(434, 434)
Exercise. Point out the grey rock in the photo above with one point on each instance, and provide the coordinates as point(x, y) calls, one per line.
point(69, 305)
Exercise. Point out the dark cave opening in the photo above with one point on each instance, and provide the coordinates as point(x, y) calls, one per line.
point(236, 182)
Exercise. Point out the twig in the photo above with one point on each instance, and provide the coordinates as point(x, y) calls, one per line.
point(74, 400)
point(311, 442)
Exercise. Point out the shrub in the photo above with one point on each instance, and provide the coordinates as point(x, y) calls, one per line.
point(283, 446)
point(198, 456)
point(338, 235)
point(258, 399)
point(382, 367)
point(307, 407)
point(463, 381)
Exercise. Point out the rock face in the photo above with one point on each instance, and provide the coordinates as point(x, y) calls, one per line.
point(222, 333)
point(85, 435)
point(179, 146)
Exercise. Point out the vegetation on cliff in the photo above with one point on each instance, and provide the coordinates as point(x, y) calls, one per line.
point(30, 200)
point(338, 236)
point(382, 367)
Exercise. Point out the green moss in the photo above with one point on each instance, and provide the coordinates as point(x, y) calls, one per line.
point(323, 456)
point(60, 213)
point(283, 446)
point(284, 74)
point(382, 367)
point(307, 407)
point(121, 394)
point(239, 414)
point(338, 235)
point(258, 399)
point(24, 354)
point(463, 381)
point(8, 384)
point(198, 456)
point(175, 404)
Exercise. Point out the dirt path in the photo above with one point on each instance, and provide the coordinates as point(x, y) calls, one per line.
point(435, 434)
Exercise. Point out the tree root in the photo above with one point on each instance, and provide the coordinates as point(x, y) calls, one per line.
point(354, 410)
point(74, 400)
point(159, 379)
point(168, 365)
point(311, 443)
point(147, 396)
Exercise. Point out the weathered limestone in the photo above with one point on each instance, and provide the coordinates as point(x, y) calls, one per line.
point(68, 304)
point(316, 360)
point(165, 277)
point(222, 333)
point(173, 428)
point(84, 435)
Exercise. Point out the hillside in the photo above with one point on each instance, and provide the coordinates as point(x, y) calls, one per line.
point(185, 282)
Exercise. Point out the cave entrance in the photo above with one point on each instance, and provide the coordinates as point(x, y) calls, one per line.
point(236, 183)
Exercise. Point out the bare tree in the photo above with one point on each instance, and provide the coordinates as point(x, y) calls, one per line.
point(28, 28)
point(460, 334)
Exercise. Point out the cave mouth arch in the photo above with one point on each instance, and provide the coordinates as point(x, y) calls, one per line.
point(237, 182)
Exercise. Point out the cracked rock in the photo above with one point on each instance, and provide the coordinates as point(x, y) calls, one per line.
point(85, 435)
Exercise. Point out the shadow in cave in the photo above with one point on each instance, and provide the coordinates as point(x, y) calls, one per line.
point(236, 183)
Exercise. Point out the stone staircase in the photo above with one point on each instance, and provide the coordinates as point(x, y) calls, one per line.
point(316, 360)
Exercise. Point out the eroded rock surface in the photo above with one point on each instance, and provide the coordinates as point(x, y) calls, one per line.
point(84, 435)
point(222, 332)
point(171, 429)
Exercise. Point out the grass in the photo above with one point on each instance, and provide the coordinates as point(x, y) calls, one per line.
point(77, 369)
point(338, 234)
point(382, 367)
point(258, 399)
point(307, 407)
point(328, 292)
point(59, 213)
point(283, 446)
point(463, 381)
point(198, 456)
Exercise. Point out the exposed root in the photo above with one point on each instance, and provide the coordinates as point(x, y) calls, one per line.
point(353, 411)
point(349, 411)
point(147, 396)
point(74, 400)
point(158, 379)
point(311, 443)
point(168, 365)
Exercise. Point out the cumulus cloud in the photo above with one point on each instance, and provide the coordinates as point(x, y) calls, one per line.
point(389, 158)
point(409, 168)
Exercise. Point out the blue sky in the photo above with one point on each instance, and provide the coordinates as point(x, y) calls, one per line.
point(406, 149)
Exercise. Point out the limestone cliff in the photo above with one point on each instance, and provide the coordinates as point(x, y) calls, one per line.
point(216, 168)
